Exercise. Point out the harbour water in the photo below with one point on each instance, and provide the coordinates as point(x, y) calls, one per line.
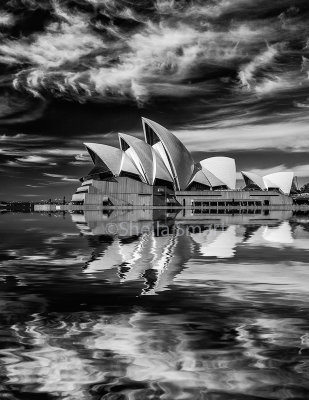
point(154, 305)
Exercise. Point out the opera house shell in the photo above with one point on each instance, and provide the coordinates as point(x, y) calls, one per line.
point(160, 171)
point(282, 181)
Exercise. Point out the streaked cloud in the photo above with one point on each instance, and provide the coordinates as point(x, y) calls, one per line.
point(62, 177)
point(248, 72)
point(284, 136)
point(6, 19)
point(33, 159)
point(225, 76)
point(13, 138)
point(79, 57)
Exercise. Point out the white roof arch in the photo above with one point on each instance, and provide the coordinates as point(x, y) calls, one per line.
point(213, 180)
point(281, 180)
point(174, 154)
point(200, 177)
point(111, 159)
point(109, 156)
point(254, 178)
point(223, 168)
point(147, 161)
point(160, 170)
point(140, 154)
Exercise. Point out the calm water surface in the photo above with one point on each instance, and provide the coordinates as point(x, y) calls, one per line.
point(133, 305)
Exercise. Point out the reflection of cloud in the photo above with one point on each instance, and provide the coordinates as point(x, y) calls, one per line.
point(52, 368)
point(146, 355)
point(259, 277)
point(60, 238)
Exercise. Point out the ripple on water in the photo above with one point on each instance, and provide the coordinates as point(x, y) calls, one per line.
point(219, 314)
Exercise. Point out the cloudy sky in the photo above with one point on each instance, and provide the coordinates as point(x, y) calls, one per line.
point(228, 77)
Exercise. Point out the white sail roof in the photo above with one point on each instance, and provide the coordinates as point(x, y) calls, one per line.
point(146, 160)
point(140, 154)
point(128, 166)
point(174, 154)
point(223, 168)
point(213, 180)
point(160, 170)
point(111, 158)
point(281, 180)
point(254, 178)
point(200, 177)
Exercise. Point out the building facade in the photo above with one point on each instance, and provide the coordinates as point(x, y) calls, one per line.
point(161, 172)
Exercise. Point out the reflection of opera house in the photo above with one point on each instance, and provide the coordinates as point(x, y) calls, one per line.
point(155, 245)
point(160, 171)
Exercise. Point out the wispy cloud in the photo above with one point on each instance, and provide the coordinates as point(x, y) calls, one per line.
point(12, 138)
point(77, 56)
point(33, 159)
point(248, 71)
point(284, 136)
point(225, 75)
point(62, 177)
point(6, 19)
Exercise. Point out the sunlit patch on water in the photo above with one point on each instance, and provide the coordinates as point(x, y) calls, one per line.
point(182, 308)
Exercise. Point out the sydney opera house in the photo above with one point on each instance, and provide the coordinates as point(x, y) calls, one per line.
point(160, 171)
